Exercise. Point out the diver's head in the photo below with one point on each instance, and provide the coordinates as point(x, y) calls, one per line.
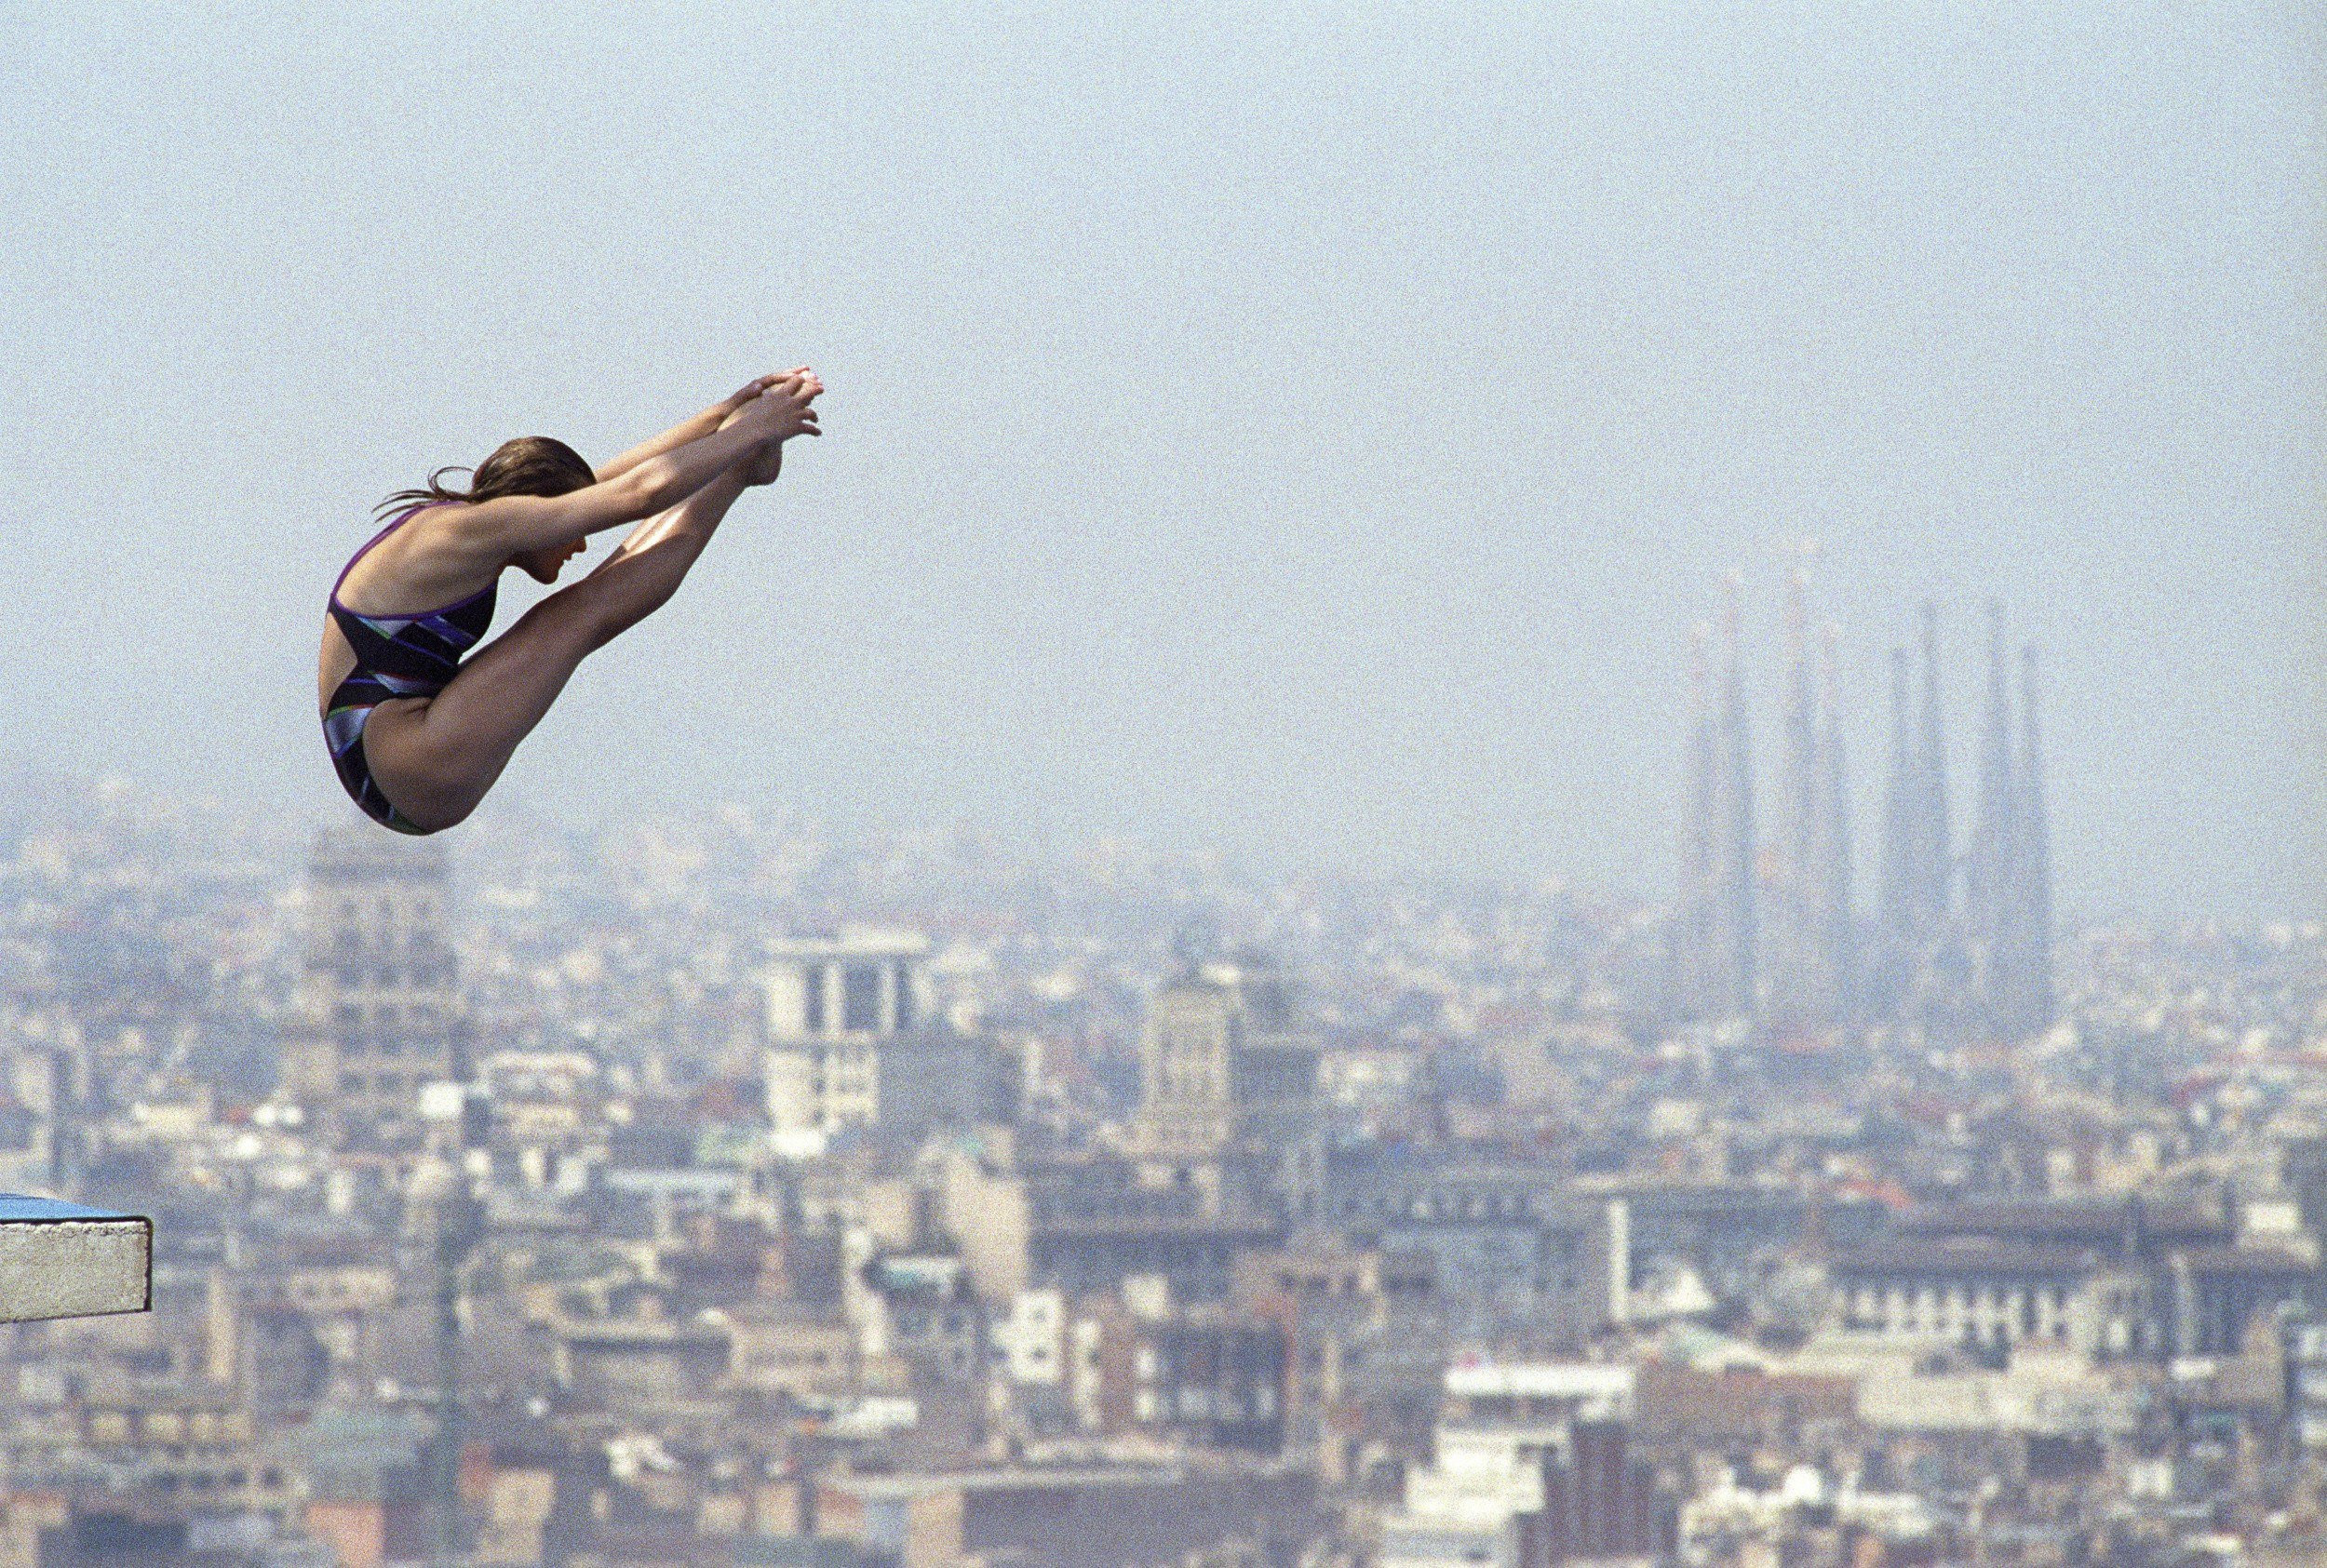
point(535, 465)
point(529, 465)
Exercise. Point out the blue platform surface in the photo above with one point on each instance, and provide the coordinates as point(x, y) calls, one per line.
point(38, 1211)
point(67, 1260)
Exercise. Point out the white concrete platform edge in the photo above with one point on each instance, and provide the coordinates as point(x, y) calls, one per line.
point(62, 1260)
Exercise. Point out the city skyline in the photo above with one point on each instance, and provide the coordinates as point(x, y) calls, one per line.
point(540, 1198)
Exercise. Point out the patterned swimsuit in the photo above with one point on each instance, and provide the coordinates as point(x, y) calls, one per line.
point(396, 656)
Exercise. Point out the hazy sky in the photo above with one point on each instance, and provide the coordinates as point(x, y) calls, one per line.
point(1308, 433)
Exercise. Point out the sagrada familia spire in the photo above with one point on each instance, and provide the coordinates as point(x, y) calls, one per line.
point(1715, 952)
point(1987, 963)
point(1913, 930)
point(1811, 981)
point(1769, 933)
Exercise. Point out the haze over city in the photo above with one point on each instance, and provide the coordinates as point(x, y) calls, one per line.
point(1529, 788)
point(1311, 435)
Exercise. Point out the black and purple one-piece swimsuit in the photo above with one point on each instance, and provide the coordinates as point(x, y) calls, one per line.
point(396, 656)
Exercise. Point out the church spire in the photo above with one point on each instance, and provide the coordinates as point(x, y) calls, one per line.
point(1934, 849)
point(1989, 863)
point(1901, 870)
point(1693, 927)
point(1831, 851)
point(2035, 858)
point(1792, 946)
point(1733, 796)
point(1810, 949)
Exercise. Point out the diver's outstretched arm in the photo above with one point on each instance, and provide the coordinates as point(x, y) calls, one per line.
point(490, 533)
point(758, 468)
point(693, 429)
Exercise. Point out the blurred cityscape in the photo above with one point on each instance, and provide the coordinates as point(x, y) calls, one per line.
point(725, 1190)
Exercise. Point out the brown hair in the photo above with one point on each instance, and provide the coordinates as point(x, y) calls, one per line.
point(529, 465)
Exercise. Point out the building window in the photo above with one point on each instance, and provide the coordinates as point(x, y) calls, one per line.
point(905, 996)
point(860, 998)
point(812, 987)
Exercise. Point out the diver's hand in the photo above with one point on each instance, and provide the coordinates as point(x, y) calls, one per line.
point(797, 390)
point(785, 408)
point(757, 385)
point(785, 404)
point(781, 411)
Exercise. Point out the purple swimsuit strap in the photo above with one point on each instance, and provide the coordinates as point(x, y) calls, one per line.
point(395, 523)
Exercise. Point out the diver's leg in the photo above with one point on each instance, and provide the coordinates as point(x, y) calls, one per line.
point(436, 758)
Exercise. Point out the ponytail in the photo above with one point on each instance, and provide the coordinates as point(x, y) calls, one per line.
point(529, 465)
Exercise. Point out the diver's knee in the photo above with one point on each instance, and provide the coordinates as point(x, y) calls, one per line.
point(426, 823)
point(426, 815)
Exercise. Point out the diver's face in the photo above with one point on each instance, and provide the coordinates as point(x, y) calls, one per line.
point(542, 566)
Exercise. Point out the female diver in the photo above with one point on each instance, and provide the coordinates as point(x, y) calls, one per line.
point(417, 735)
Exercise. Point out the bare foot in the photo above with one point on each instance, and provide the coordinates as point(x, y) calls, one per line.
point(798, 388)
